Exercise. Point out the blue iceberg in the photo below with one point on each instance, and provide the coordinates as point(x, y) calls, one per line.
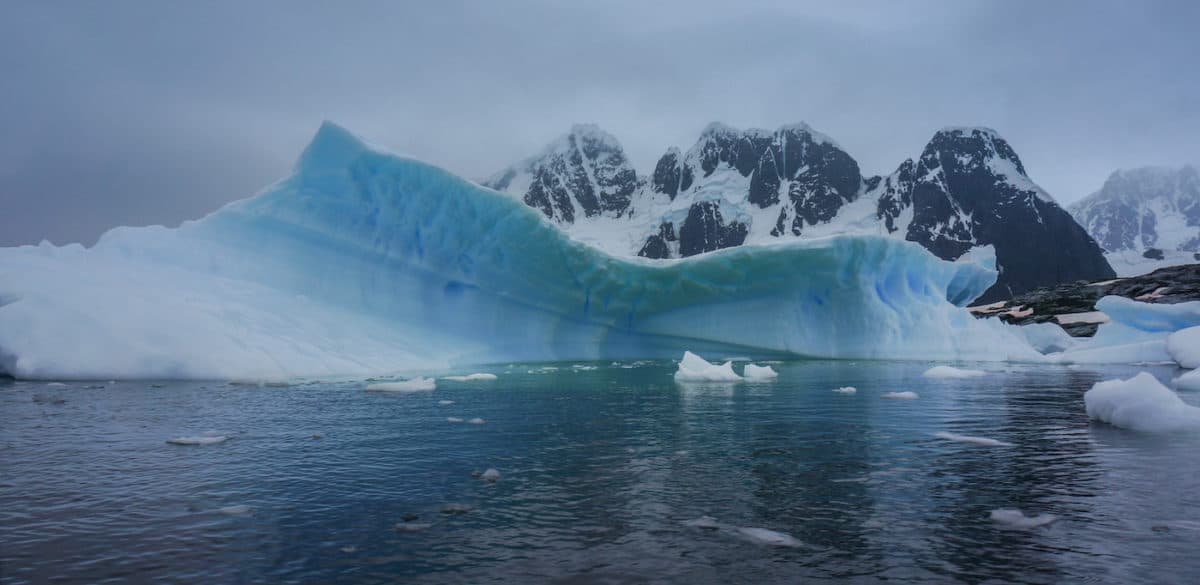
point(366, 263)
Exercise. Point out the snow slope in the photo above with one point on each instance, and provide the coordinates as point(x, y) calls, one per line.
point(365, 263)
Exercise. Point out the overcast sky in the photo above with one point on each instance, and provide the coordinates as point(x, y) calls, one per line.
point(141, 112)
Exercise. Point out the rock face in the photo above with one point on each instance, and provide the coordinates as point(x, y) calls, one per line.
point(1145, 218)
point(1175, 284)
point(968, 188)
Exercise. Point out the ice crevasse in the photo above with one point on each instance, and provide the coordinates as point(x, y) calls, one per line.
point(364, 263)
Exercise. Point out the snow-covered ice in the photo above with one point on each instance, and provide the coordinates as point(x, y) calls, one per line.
point(471, 377)
point(364, 264)
point(981, 441)
point(905, 395)
point(1140, 403)
point(1017, 519)
point(952, 373)
point(1184, 347)
point(693, 368)
point(753, 372)
point(413, 385)
point(845, 390)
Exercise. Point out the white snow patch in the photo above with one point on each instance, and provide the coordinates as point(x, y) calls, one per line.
point(906, 395)
point(693, 368)
point(1086, 317)
point(413, 385)
point(937, 372)
point(1140, 403)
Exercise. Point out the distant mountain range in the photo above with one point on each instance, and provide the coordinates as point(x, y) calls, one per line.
point(967, 189)
point(1145, 218)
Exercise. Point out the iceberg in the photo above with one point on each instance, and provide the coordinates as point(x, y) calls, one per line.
point(1137, 333)
point(363, 263)
point(756, 372)
point(1140, 403)
point(1184, 347)
point(693, 368)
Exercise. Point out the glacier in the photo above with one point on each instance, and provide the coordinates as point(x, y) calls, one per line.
point(365, 263)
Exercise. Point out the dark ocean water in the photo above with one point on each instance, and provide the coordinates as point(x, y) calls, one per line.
point(602, 469)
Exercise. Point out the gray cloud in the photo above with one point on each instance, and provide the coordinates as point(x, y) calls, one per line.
point(136, 112)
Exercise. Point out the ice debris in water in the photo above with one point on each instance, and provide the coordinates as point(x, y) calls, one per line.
point(471, 377)
point(445, 402)
point(693, 368)
point(238, 510)
point(56, 385)
point(906, 395)
point(1184, 347)
point(200, 440)
point(492, 475)
point(414, 385)
point(754, 372)
point(476, 421)
point(706, 522)
point(1140, 403)
point(453, 419)
point(981, 441)
point(455, 508)
point(952, 373)
point(1018, 519)
point(768, 537)
point(845, 390)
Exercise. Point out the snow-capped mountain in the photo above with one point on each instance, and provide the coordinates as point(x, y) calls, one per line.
point(1145, 218)
point(967, 189)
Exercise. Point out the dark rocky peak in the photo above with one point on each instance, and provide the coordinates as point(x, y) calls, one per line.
point(969, 150)
point(584, 172)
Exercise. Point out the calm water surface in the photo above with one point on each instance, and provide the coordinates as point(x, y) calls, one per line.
point(601, 470)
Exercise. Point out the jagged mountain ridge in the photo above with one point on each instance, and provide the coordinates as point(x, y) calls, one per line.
point(1145, 218)
point(968, 188)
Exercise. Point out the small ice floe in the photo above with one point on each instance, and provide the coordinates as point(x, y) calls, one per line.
point(981, 441)
point(705, 522)
point(1184, 347)
point(205, 439)
point(1017, 519)
point(471, 377)
point(55, 385)
point(238, 510)
point(413, 385)
point(906, 395)
point(453, 419)
point(582, 368)
point(492, 475)
point(1140, 403)
point(768, 537)
point(693, 368)
point(947, 372)
point(349, 549)
point(753, 372)
point(476, 421)
point(455, 508)
point(445, 402)
point(845, 390)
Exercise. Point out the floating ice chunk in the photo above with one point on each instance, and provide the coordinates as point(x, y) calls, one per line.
point(693, 368)
point(1018, 519)
point(705, 522)
point(238, 510)
point(754, 372)
point(982, 441)
point(200, 440)
point(1138, 332)
point(445, 402)
point(476, 421)
point(492, 475)
point(1184, 347)
point(410, 526)
point(349, 549)
point(43, 399)
point(413, 385)
point(845, 390)
point(453, 419)
point(56, 385)
point(1048, 337)
point(471, 377)
point(1140, 403)
point(906, 395)
point(947, 372)
point(768, 537)
point(455, 508)
point(1189, 381)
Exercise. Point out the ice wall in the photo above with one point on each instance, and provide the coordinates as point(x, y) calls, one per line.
point(365, 263)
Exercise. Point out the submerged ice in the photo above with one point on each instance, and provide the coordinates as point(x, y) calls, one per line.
point(362, 263)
